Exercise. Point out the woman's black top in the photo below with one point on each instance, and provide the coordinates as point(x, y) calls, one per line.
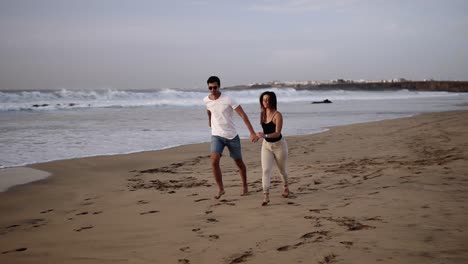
point(269, 128)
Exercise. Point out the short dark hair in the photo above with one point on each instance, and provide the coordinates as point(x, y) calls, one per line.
point(213, 79)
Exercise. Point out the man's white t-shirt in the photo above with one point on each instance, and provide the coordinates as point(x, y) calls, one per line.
point(222, 123)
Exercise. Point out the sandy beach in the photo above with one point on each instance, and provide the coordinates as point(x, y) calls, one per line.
point(393, 191)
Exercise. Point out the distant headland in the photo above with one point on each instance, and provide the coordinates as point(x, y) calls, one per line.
point(385, 85)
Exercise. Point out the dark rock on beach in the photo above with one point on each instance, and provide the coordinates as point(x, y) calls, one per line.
point(326, 101)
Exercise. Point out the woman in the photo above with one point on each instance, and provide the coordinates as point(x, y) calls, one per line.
point(274, 147)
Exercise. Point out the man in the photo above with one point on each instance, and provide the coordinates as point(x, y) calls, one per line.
point(223, 132)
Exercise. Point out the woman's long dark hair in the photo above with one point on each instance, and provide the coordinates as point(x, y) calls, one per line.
point(272, 102)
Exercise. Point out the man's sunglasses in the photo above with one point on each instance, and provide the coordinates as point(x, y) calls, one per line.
point(212, 87)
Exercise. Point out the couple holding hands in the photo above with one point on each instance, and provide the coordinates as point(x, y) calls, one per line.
point(220, 110)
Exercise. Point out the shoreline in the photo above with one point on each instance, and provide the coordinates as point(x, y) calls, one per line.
point(392, 191)
point(17, 176)
point(38, 175)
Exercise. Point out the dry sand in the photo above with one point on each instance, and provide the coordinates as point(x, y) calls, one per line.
point(394, 191)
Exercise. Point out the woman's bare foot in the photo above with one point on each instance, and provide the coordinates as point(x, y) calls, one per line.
point(285, 192)
point(220, 193)
point(266, 199)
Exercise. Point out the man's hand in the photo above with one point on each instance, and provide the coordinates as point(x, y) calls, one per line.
point(254, 137)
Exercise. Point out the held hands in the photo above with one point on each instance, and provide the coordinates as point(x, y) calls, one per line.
point(260, 135)
point(254, 137)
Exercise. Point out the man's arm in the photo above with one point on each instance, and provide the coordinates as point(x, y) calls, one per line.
point(243, 115)
point(209, 117)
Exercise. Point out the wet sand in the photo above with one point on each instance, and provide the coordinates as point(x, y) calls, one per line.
point(393, 191)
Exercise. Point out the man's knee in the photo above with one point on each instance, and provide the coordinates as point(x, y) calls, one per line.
point(240, 163)
point(215, 158)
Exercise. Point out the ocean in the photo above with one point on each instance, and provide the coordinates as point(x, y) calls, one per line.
point(39, 126)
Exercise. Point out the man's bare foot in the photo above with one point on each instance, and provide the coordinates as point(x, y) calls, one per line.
point(244, 192)
point(266, 200)
point(285, 192)
point(220, 193)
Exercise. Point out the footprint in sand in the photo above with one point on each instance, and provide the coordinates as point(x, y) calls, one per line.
point(82, 213)
point(311, 237)
point(213, 236)
point(184, 261)
point(212, 220)
point(242, 258)
point(185, 249)
point(88, 201)
point(316, 236)
point(319, 210)
point(35, 222)
point(47, 211)
point(142, 202)
point(225, 202)
point(328, 259)
point(150, 212)
point(203, 199)
point(15, 250)
point(289, 247)
point(83, 228)
point(347, 244)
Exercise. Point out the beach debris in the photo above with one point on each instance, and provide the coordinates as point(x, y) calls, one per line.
point(40, 105)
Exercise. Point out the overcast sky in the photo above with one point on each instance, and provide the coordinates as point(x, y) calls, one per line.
point(152, 44)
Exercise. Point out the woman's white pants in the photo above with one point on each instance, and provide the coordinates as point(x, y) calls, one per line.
point(274, 153)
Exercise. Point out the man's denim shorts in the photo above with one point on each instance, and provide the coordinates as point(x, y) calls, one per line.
point(218, 143)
